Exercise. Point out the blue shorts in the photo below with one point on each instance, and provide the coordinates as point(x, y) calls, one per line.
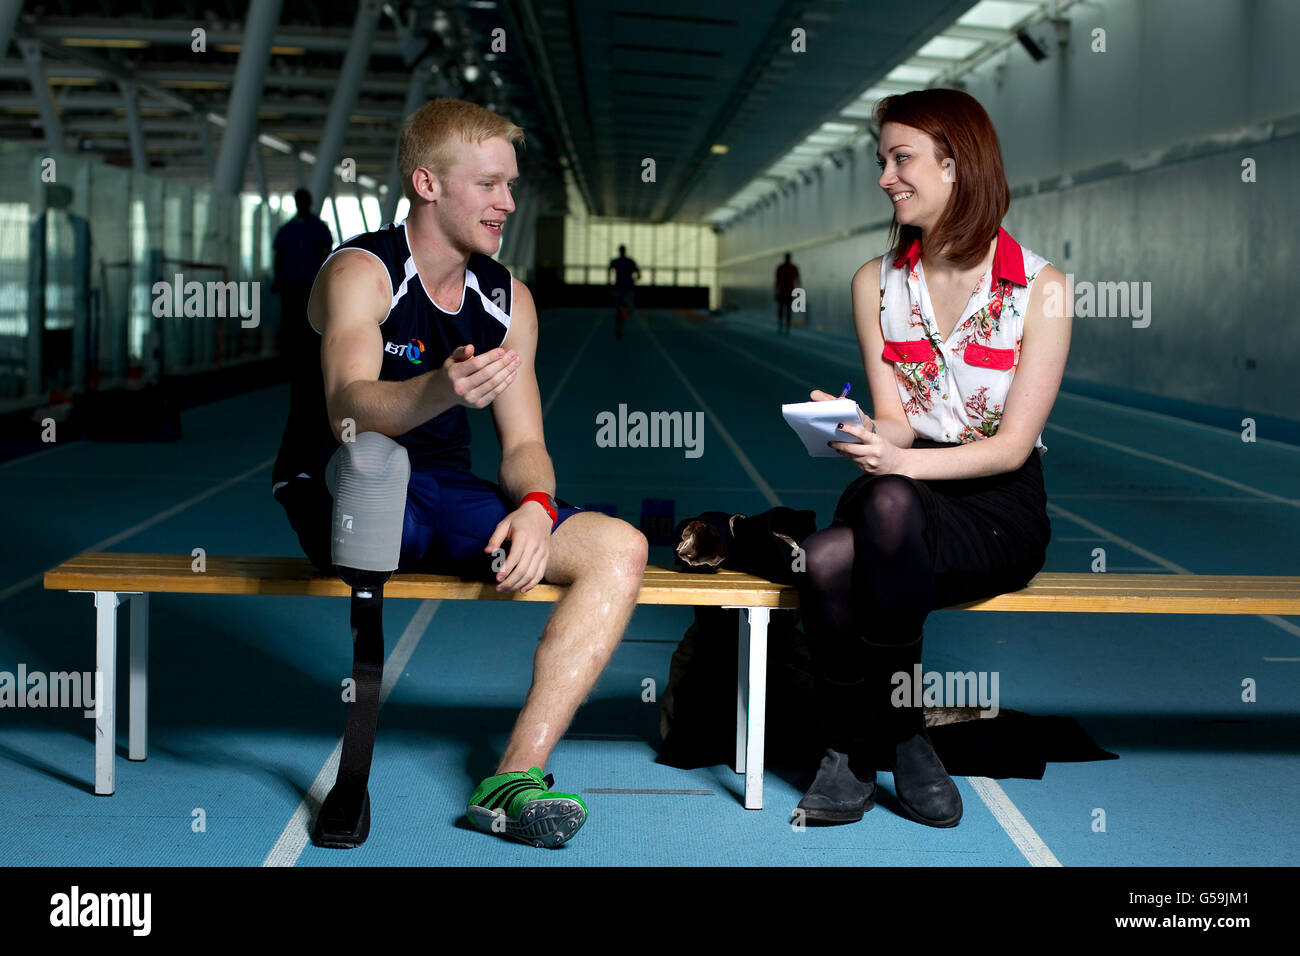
point(450, 516)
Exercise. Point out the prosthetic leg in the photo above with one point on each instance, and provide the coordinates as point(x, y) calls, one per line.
point(368, 479)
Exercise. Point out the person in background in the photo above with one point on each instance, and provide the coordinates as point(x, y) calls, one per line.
point(301, 246)
point(625, 273)
point(787, 279)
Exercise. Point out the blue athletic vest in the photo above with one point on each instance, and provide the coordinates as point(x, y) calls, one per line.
point(417, 338)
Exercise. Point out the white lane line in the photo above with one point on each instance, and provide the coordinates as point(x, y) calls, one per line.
point(1273, 619)
point(1116, 539)
point(1283, 623)
point(764, 488)
point(136, 528)
point(1029, 843)
point(1284, 659)
point(564, 379)
point(1218, 430)
point(1169, 462)
point(297, 832)
point(1004, 811)
point(1182, 499)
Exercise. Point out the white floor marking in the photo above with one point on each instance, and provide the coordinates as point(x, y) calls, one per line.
point(764, 488)
point(1029, 843)
point(1169, 462)
point(564, 379)
point(297, 832)
point(136, 528)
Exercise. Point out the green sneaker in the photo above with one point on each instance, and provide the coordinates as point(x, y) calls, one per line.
point(521, 806)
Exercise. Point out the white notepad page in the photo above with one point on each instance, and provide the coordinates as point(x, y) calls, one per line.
point(814, 423)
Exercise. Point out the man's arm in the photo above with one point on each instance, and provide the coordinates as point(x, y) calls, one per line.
point(525, 464)
point(350, 298)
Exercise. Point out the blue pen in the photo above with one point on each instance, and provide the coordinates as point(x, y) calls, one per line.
point(845, 393)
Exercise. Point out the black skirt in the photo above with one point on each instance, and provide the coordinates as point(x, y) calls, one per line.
point(986, 536)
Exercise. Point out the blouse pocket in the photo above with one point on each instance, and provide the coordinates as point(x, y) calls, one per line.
point(920, 350)
point(982, 356)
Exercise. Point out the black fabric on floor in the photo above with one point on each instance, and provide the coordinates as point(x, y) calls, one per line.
point(698, 712)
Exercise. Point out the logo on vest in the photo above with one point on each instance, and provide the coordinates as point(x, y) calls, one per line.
point(412, 350)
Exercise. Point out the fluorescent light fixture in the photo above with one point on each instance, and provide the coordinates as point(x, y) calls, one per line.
point(108, 42)
point(718, 149)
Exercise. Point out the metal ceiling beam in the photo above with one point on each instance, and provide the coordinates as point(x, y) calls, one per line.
point(135, 135)
point(176, 32)
point(772, 54)
point(345, 95)
point(31, 51)
point(246, 94)
point(8, 17)
point(525, 23)
point(308, 80)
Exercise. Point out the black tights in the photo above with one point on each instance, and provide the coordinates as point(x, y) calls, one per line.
point(867, 580)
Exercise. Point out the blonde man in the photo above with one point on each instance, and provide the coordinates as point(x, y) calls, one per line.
point(416, 323)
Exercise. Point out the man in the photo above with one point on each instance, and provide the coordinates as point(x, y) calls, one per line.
point(301, 245)
point(416, 324)
point(787, 280)
point(623, 269)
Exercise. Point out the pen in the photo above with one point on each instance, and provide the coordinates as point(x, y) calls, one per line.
point(845, 392)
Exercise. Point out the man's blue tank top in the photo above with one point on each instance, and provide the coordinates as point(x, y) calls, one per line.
point(417, 338)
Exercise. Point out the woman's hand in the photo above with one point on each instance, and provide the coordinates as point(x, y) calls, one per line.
point(874, 454)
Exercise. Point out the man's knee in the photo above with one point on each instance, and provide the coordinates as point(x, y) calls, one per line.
point(614, 549)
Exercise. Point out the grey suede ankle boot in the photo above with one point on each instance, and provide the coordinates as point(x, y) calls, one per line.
point(922, 785)
point(845, 786)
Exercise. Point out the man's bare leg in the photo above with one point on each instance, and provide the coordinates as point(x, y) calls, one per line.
point(602, 560)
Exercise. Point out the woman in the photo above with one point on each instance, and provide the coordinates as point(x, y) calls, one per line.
point(950, 505)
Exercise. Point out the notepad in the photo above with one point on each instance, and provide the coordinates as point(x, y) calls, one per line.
point(815, 423)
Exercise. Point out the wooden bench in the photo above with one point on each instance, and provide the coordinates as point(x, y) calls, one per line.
point(111, 577)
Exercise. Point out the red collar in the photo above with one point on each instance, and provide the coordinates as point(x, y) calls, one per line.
point(1008, 259)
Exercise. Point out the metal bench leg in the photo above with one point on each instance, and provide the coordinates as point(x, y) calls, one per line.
point(138, 706)
point(742, 702)
point(757, 709)
point(106, 664)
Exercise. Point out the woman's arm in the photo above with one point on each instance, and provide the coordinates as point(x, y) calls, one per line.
point(1044, 347)
point(886, 407)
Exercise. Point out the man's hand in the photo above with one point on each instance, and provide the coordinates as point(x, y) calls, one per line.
point(528, 529)
point(476, 381)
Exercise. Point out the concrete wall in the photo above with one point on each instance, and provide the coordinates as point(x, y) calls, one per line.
point(1150, 136)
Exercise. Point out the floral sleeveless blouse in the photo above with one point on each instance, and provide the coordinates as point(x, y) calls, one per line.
point(955, 390)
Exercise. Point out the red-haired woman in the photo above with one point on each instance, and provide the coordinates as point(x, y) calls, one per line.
point(964, 336)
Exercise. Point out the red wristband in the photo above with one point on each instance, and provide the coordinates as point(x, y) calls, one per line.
point(545, 500)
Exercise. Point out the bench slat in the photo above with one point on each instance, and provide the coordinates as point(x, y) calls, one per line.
point(1049, 591)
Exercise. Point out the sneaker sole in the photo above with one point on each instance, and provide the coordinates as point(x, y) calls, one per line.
point(544, 823)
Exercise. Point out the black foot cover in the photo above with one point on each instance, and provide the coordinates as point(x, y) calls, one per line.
point(341, 826)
